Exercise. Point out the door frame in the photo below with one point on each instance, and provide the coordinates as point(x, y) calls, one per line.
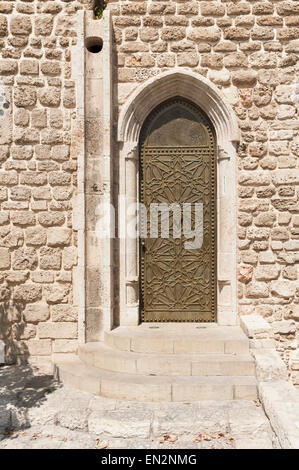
point(197, 89)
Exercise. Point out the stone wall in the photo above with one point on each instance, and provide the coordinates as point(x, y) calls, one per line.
point(249, 49)
point(37, 178)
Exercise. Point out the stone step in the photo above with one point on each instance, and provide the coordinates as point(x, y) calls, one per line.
point(73, 372)
point(179, 338)
point(104, 357)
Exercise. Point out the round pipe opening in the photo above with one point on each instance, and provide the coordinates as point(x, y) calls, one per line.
point(94, 45)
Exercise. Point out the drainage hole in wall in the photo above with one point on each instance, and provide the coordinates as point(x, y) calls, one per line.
point(94, 45)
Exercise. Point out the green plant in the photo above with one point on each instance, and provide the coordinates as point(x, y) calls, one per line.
point(50, 389)
point(99, 8)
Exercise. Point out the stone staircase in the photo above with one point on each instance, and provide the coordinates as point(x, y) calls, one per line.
point(165, 362)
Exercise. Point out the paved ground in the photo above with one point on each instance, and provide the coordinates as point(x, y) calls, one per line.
point(36, 412)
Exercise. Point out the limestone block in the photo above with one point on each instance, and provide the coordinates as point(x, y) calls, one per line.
point(2, 352)
point(50, 219)
point(220, 77)
point(4, 258)
point(212, 9)
point(255, 325)
point(254, 427)
point(5, 418)
point(205, 34)
point(284, 327)
point(266, 273)
point(24, 331)
point(283, 289)
point(51, 68)
point(56, 293)
point(61, 330)
point(8, 67)
point(39, 118)
point(65, 346)
point(267, 257)
point(33, 178)
point(245, 273)
point(3, 26)
point(20, 25)
point(262, 344)
point(43, 25)
point(294, 360)
point(50, 97)
point(269, 365)
point(121, 423)
point(63, 312)
point(42, 276)
point(59, 236)
point(286, 111)
point(59, 177)
point(236, 34)
point(25, 258)
point(281, 402)
point(27, 293)
point(36, 312)
point(75, 419)
point(40, 347)
point(24, 96)
point(11, 238)
point(173, 33)
point(35, 236)
point(189, 59)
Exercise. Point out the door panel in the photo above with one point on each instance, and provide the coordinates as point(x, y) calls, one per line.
point(177, 167)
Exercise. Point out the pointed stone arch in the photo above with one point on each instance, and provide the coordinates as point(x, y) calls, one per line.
point(177, 82)
point(199, 90)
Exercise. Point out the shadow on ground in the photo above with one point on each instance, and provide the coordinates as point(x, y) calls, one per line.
point(21, 388)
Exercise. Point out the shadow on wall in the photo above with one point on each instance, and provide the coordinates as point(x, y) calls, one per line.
point(13, 332)
point(21, 389)
point(22, 386)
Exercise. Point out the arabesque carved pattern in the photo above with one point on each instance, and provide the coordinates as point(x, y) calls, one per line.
point(179, 284)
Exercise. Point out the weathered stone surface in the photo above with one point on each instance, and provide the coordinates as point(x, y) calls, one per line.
point(4, 258)
point(20, 25)
point(50, 97)
point(28, 293)
point(37, 312)
point(284, 327)
point(63, 313)
point(50, 258)
point(8, 67)
point(266, 273)
point(2, 352)
point(25, 258)
point(245, 273)
point(24, 96)
point(269, 365)
point(280, 400)
point(136, 424)
point(257, 290)
point(65, 330)
point(244, 78)
point(283, 289)
point(56, 294)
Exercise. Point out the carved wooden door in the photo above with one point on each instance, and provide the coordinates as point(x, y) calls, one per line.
point(178, 170)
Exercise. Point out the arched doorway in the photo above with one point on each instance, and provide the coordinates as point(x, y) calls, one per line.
point(148, 96)
point(178, 190)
